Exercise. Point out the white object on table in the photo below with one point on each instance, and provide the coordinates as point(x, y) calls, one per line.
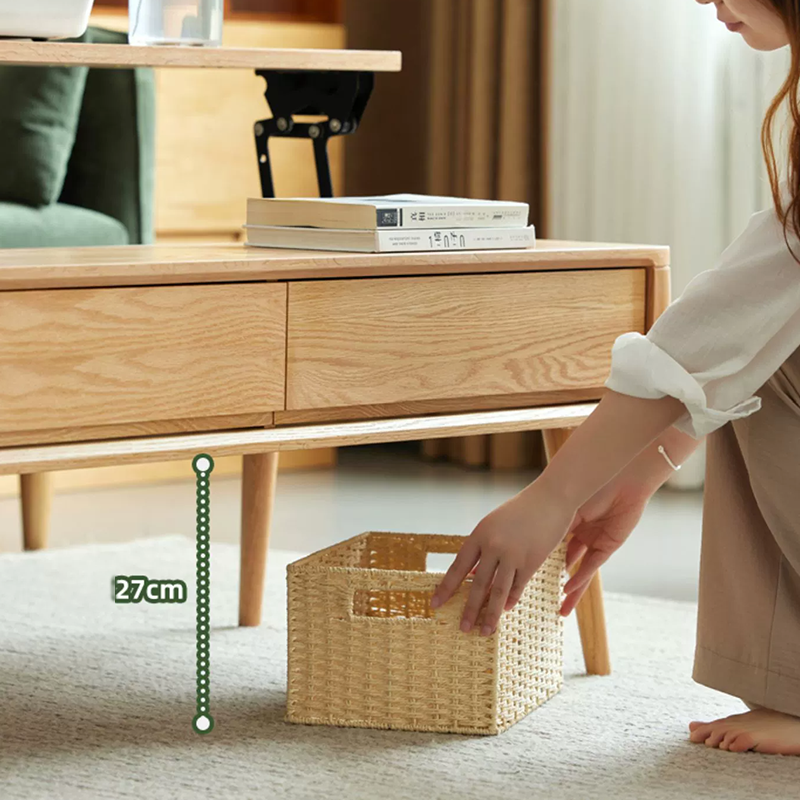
point(44, 19)
point(175, 22)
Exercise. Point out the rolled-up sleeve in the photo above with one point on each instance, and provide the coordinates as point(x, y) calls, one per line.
point(723, 338)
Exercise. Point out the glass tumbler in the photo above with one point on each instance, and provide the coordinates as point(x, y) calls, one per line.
point(177, 22)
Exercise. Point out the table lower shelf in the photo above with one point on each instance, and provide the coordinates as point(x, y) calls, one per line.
point(165, 448)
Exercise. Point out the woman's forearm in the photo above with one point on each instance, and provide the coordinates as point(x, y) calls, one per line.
point(613, 435)
point(650, 470)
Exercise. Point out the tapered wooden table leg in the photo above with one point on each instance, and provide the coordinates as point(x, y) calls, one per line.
point(590, 611)
point(36, 495)
point(259, 476)
point(592, 626)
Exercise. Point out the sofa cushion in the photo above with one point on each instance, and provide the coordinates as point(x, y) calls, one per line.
point(39, 110)
point(112, 168)
point(57, 225)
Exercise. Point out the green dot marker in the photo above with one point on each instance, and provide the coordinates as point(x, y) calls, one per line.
point(202, 465)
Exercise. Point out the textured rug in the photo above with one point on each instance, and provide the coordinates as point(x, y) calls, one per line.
point(96, 701)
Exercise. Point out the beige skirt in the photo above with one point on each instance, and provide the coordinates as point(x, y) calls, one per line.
point(748, 627)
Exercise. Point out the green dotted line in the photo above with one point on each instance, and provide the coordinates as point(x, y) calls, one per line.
point(203, 722)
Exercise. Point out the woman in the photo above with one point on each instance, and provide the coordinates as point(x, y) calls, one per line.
point(735, 331)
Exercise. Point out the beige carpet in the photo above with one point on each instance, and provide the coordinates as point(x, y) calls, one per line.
point(96, 701)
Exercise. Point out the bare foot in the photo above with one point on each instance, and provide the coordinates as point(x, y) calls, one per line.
point(763, 730)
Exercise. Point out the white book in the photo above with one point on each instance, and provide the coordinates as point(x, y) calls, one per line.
point(391, 241)
point(386, 212)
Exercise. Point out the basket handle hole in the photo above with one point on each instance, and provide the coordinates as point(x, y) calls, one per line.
point(439, 562)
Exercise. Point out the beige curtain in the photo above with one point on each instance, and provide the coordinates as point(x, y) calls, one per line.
point(462, 118)
point(463, 115)
point(483, 125)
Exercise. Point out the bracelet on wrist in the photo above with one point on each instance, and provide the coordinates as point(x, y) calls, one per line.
point(669, 460)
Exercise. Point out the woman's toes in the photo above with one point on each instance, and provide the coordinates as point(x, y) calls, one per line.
point(742, 743)
point(716, 736)
point(699, 735)
point(699, 731)
point(762, 730)
point(728, 739)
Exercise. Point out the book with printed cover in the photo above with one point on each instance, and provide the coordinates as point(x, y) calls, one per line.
point(386, 212)
point(391, 240)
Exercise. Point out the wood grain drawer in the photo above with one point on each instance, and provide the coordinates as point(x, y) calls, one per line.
point(92, 357)
point(401, 339)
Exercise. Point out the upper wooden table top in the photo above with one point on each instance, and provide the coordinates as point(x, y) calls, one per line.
point(136, 265)
point(29, 53)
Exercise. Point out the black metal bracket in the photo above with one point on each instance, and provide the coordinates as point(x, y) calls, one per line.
point(341, 96)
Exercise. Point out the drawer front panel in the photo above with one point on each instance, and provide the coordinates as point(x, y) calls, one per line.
point(402, 339)
point(91, 357)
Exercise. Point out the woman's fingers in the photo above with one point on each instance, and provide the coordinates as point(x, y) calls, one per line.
point(592, 561)
point(515, 592)
point(465, 560)
point(575, 551)
point(572, 600)
point(497, 599)
point(579, 582)
point(521, 580)
point(480, 588)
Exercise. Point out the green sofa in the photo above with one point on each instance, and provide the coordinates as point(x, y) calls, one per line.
point(76, 154)
point(76, 169)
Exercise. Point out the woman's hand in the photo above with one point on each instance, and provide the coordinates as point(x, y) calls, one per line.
point(513, 541)
point(601, 525)
point(508, 545)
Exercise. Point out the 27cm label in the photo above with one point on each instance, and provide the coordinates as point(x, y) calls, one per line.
point(135, 588)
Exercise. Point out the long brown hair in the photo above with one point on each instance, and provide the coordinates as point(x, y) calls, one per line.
point(789, 11)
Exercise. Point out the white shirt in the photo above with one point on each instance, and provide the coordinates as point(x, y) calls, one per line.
point(724, 337)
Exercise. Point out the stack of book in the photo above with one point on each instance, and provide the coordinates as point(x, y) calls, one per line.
point(395, 223)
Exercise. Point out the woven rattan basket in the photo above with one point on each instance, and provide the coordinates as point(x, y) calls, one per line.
point(367, 650)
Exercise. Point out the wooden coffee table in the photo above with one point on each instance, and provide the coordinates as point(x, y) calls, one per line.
point(114, 355)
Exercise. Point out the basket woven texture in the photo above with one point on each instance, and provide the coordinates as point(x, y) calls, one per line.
point(367, 650)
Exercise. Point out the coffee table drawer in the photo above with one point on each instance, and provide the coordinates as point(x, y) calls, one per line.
point(387, 340)
point(91, 357)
